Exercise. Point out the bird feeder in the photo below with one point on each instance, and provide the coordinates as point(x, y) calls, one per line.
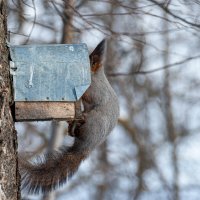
point(49, 80)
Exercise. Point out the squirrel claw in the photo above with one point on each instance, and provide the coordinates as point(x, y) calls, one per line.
point(75, 125)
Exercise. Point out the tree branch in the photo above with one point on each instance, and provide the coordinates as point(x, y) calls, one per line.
point(156, 69)
point(173, 15)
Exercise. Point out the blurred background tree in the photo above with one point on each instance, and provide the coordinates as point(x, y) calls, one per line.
point(152, 61)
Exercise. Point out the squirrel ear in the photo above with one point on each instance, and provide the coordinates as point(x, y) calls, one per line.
point(96, 57)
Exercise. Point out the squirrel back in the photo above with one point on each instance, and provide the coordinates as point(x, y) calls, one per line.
point(101, 113)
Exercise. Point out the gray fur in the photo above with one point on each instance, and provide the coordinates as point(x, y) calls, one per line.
point(101, 115)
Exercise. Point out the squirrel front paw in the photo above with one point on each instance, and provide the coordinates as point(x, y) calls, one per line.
point(74, 126)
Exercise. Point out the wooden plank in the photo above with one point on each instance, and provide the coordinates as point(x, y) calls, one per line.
point(44, 111)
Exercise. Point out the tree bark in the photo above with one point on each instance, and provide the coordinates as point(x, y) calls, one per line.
point(9, 178)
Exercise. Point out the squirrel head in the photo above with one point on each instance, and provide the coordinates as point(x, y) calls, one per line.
point(96, 57)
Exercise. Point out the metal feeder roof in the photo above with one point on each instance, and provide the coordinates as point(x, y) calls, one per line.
point(58, 72)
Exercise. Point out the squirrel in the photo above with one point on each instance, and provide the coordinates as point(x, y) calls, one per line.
point(101, 112)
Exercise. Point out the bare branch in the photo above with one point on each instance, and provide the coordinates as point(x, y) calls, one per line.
point(174, 15)
point(156, 69)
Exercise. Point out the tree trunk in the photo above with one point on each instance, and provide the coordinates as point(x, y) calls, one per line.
point(68, 13)
point(9, 178)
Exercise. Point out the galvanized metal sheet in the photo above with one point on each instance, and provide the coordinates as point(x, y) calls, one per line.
point(50, 72)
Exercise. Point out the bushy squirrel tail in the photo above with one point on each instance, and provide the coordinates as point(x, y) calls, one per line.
point(52, 171)
point(101, 116)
